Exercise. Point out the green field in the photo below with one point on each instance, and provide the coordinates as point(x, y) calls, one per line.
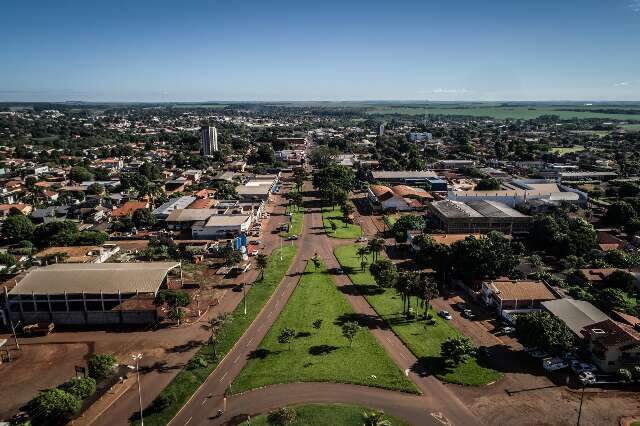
point(631, 128)
point(562, 150)
point(327, 415)
point(504, 112)
point(319, 355)
point(423, 340)
point(188, 380)
point(343, 229)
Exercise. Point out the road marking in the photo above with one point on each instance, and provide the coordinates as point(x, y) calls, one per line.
point(223, 376)
point(204, 401)
point(237, 358)
point(249, 342)
point(269, 315)
point(440, 417)
point(188, 421)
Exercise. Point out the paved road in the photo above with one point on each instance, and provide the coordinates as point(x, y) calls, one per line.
point(437, 401)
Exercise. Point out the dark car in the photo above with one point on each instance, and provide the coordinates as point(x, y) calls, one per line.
point(238, 288)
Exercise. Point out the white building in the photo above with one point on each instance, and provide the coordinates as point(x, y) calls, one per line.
point(218, 226)
point(420, 136)
point(209, 140)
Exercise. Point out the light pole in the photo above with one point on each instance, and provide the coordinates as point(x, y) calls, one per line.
point(13, 329)
point(281, 248)
point(580, 409)
point(244, 291)
point(137, 358)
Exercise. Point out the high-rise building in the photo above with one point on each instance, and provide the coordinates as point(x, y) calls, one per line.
point(381, 129)
point(209, 139)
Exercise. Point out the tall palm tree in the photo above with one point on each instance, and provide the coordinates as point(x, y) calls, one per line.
point(261, 263)
point(375, 246)
point(428, 293)
point(362, 252)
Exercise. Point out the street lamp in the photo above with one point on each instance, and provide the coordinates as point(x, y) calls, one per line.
point(137, 358)
point(244, 291)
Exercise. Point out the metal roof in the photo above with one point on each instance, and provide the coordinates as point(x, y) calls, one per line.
point(95, 277)
point(576, 314)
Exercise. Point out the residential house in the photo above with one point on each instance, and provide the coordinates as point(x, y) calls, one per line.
point(613, 345)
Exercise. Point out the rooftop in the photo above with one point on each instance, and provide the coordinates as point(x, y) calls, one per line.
point(521, 290)
point(576, 314)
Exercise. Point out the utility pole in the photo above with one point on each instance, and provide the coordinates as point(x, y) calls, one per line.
point(244, 291)
point(580, 409)
point(13, 330)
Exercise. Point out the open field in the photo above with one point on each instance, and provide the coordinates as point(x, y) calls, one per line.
point(631, 128)
point(319, 354)
point(295, 225)
point(327, 415)
point(343, 229)
point(562, 150)
point(188, 380)
point(423, 340)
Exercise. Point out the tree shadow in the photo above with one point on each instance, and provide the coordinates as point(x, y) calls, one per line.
point(186, 347)
point(261, 353)
point(364, 320)
point(357, 290)
point(322, 349)
point(302, 334)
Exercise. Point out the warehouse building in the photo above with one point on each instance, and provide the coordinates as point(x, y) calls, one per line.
point(479, 216)
point(90, 293)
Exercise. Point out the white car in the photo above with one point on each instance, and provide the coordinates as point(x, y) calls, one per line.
point(362, 240)
point(446, 315)
point(254, 252)
point(553, 364)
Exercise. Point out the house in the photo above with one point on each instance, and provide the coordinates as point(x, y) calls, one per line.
point(397, 198)
point(5, 209)
point(613, 345)
point(608, 242)
point(514, 296)
point(480, 216)
point(177, 203)
point(596, 276)
point(129, 207)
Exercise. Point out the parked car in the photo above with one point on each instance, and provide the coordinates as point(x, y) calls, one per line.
point(461, 306)
point(289, 214)
point(361, 240)
point(468, 313)
point(446, 315)
point(579, 367)
point(255, 242)
point(254, 252)
point(339, 271)
point(238, 288)
point(507, 330)
point(292, 237)
point(587, 378)
point(539, 354)
point(553, 364)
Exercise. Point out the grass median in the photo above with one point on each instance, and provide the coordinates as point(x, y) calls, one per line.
point(329, 414)
point(319, 354)
point(423, 340)
point(295, 221)
point(343, 229)
point(187, 381)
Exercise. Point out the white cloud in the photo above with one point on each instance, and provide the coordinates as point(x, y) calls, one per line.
point(634, 5)
point(621, 84)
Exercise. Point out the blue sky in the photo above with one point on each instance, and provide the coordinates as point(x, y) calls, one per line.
point(195, 50)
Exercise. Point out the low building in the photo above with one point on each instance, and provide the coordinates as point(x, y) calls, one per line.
point(89, 294)
point(511, 297)
point(178, 203)
point(479, 216)
point(129, 207)
point(575, 314)
point(455, 164)
point(5, 209)
point(613, 345)
point(403, 177)
point(78, 254)
point(398, 198)
point(258, 188)
point(221, 226)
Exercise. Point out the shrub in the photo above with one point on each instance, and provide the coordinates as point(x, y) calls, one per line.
point(164, 400)
point(53, 407)
point(80, 387)
point(623, 375)
point(101, 366)
point(282, 416)
point(197, 361)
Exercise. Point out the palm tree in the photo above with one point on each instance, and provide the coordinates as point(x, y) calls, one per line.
point(428, 293)
point(375, 246)
point(410, 280)
point(362, 252)
point(375, 418)
point(216, 327)
point(261, 263)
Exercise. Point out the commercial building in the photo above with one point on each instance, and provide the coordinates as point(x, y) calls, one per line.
point(511, 297)
point(397, 198)
point(575, 314)
point(173, 204)
point(405, 177)
point(420, 136)
point(221, 226)
point(90, 293)
point(209, 140)
point(78, 254)
point(478, 217)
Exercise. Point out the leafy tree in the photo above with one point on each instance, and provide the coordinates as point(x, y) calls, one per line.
point(544, 331)
point(95, 189)
point(261, 262)
point(232, 257)
point(18, 227)
point(80, 387)
point(323, 155)
point(177, 313)
point(217, 327)
point(624, 375)
point(408, 223)
point(635, 371)
point(375, 246)
point(286, 336)
point(429, 291)
point(619, 214)
point(173, 298)
point(142, 218)
point(347, 210)
point(58, 233)
point(341, 177)
point(317, 324)
point(632, 227)
point(457, 349)
point(333, 225)
point(349, 330)
point(80, 174)
point(282, 416)
point(384, 273)
point(316, 261)
point(487, 256)
point(613, 299)
point(101, 366)
point(91, 238)
point(53, 407)
point(488, 184)
point(620, 279)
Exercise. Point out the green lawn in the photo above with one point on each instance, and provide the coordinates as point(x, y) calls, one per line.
point(319, 355)
point(188, 380)
point(296, 222)
point(343, 229)
point(423, 340)
point(327, 415)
